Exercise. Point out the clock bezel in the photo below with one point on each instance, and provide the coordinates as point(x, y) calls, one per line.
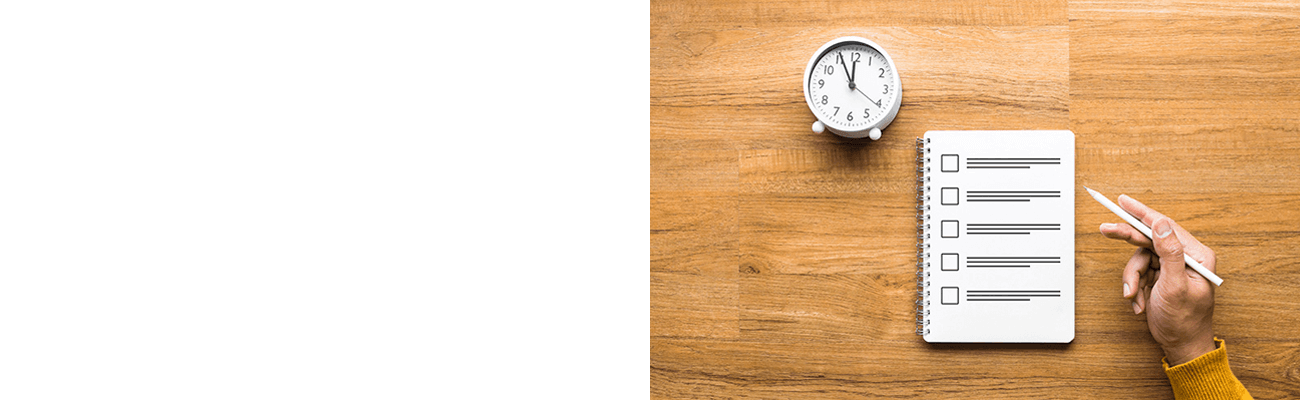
point(835, 127)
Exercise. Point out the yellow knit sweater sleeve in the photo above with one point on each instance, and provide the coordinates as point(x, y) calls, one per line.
point(1206, 377)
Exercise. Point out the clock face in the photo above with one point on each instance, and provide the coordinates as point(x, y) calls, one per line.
point(852, 87)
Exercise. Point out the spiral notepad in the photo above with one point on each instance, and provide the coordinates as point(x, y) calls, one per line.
point(995, 236)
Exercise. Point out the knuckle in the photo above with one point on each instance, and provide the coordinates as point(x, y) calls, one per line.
point(1171, 247)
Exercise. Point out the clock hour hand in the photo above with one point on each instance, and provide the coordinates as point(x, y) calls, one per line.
point(848, 74)
point(877, 103)
point(855, 72)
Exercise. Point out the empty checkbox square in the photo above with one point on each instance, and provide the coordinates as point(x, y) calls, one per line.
point(949, 262)
point(949, 295)
point(949, 163)
point(948, 228)
point(949, 196)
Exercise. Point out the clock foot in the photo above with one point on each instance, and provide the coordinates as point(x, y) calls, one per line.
point(819, 127)
point(875, 134)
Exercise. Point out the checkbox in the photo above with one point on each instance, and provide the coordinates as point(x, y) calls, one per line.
point(949, 196)
point(949, 295)
point(949, 262)
point(948, 228)
point(949, 163)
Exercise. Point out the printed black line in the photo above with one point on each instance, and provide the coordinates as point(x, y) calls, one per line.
point(1014, 191)
point(1013, 291)
point(1013, 158)
point(1014, 295)
point(997, 266)
point(1010, 262)
point(969, 196)
point(1024, 259)
point(1010, 257)
point(997, 233)
point(1026, 226)
point(1014, 163)
point(1013, 261)
point(997, 299)
point(1014, 224)
point(1000, 200)
point(977, 167)
point(1013, 229)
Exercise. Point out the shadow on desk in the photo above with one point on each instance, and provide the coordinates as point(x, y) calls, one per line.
point(999, 346)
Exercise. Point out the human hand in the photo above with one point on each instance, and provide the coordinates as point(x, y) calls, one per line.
point(1179, 302)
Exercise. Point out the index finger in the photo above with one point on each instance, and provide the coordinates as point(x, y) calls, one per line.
point(1149, 217)
point(1124, 231)
point(1140, 211)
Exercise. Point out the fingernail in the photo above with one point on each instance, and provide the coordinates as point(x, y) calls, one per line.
point(1108, 225)
point(1125, 290)
point(1163, 229)
point(1135, 308)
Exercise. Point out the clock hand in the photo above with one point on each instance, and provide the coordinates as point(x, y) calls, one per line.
point(869, 98)
point(854, 75)
point(847, 74)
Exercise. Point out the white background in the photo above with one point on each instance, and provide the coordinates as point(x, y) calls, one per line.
point(294, 199)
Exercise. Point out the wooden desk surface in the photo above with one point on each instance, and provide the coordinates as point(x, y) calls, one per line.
point(781, 260)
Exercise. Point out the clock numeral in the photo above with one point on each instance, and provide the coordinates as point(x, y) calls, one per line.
point(839, 58)
point(857, 57)
point(821, 83)
point(866, 113)
point(886, 90)
point(850, 116)
point(868, 61)
point(830, 70)
point(882, 72)
point(837, 112)
point(825, 99)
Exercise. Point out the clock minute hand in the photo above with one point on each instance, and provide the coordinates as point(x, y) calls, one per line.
point(877, 103)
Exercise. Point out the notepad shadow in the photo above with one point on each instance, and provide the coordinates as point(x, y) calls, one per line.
point(999, 346)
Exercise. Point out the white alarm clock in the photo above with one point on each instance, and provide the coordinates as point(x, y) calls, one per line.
point(852, 87)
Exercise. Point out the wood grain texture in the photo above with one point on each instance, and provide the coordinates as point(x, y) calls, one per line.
point(741, 89)
point(767, 13)
point(694, 305)
point(782, 261)
point(823, 234)
point(694, 232)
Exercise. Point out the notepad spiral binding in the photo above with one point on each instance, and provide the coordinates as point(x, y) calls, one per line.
point(922, 235)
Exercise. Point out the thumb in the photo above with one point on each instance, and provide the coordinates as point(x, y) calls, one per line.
point(1170, 249)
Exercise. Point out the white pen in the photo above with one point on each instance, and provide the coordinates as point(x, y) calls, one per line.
point(1146, 230)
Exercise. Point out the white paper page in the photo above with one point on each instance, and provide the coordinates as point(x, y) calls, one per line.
point(1001, 236)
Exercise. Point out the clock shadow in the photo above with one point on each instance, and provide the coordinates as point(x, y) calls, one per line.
point(863, 155)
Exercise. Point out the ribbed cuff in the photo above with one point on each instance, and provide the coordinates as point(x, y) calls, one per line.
point(1206, 377)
